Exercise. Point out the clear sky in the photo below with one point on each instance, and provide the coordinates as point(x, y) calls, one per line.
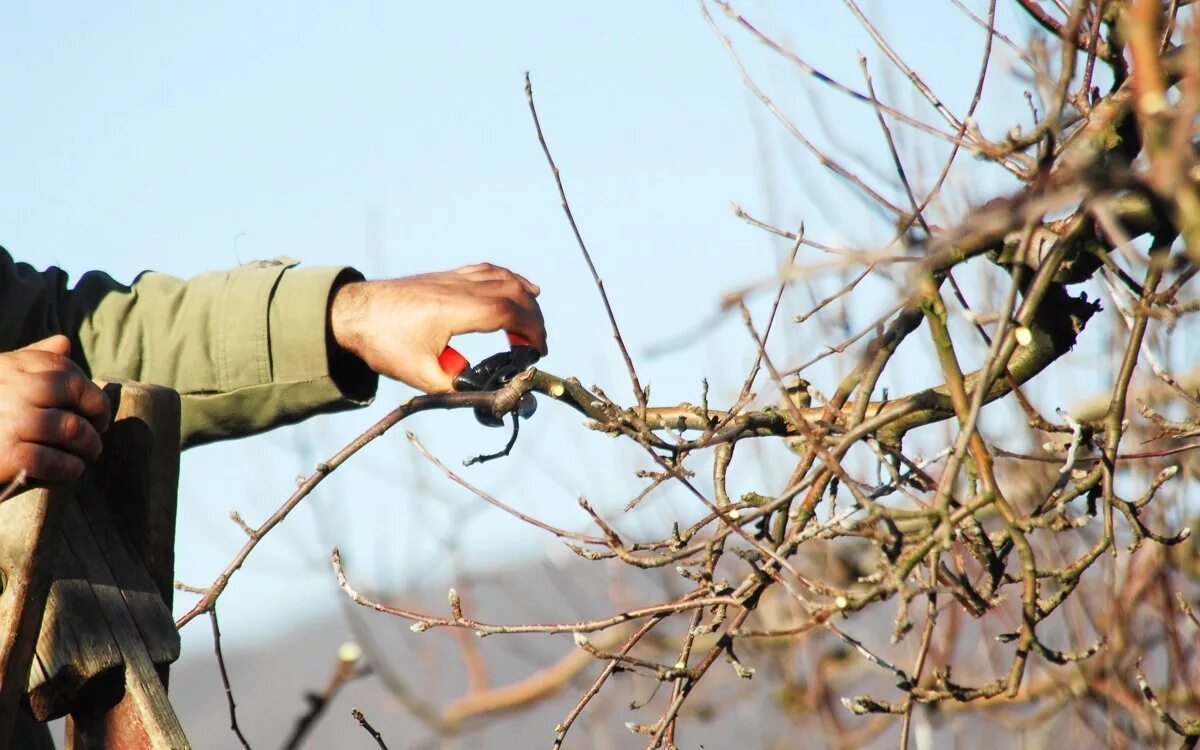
point(395, 137)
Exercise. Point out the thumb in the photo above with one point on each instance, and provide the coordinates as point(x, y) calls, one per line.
point(433, 379)
point(56, 344)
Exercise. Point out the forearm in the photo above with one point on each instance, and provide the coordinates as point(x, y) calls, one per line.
point(247, 349)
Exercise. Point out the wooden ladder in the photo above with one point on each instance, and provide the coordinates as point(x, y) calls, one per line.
point(85, 613)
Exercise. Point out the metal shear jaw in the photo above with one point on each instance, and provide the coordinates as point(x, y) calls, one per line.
point(492, 374)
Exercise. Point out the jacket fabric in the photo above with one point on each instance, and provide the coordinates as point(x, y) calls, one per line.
point(247, 349)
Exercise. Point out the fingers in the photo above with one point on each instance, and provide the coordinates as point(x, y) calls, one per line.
point(430, 377)
point(489, 272)
point(58, 382)
point(500, 299)
point(493, 313)
point(45, 463)
point(67, 388)
point(509, 288)
point(61, 429)
point(51, 413)
point(399, 327)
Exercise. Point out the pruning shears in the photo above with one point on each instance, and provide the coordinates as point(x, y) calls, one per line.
point(492, 374)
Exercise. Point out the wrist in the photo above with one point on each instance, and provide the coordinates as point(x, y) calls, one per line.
point(345, 315)
point(343, 339)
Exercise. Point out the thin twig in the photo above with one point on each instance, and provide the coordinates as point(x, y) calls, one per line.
point(324, 469)
point(638, 392)
point(1190, 732)
point(831, 164)
point(912, 75)
point(362, 722)
point(560, 533)
point(506, 450)
point(14, 486)
point(216, 632)
point(1055, 27)
point(423, 622)
point(347, 667)
point(833, 83)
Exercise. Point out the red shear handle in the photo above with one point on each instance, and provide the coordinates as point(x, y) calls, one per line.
point(452, 362)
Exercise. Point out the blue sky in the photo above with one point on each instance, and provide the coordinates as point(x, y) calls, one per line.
point(395, 137)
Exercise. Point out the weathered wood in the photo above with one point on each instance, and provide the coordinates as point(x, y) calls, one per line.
point(103, 603)
point(129, 708)
point(94, 533)
point(140, 474)
point(129, 513)
point(141, 481)
point(75, 645)
point(28, 526)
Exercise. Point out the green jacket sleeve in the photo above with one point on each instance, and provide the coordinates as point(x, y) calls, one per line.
point(247, 349)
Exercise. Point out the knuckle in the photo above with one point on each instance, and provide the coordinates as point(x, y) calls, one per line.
point(507, 287)
point(69, 386)
point(507, 308)
point(77, 384)
point(55, 380)
point(70, 467)
point(71, 427)
point(93, 397)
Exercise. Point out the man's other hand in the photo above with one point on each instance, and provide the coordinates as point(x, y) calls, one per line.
point(399, 327)
point(51, 414)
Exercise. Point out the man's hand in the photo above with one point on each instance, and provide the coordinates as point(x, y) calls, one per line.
point(400, 327)
point(51, 414)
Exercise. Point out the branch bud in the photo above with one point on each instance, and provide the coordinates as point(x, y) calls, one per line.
point(349, 653)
